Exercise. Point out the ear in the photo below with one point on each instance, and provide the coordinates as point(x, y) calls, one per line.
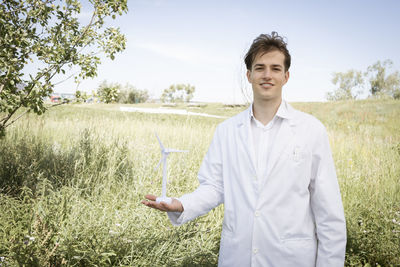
point(248, 74)
point(287, 75)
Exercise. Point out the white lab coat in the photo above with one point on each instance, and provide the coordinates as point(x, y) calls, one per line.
point(291, 217)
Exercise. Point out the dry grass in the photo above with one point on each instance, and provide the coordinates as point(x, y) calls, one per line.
point(72, 181)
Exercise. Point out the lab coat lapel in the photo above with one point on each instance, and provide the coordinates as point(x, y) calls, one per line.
point(284, 137)
point(246, 138)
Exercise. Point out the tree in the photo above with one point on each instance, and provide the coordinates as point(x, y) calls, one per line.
point(130, 95)
point(393, 85)
point(381, 83)
point(108, 93)
point(48, 36)
point(81, 96)
point(347, 82)
point(178, 93)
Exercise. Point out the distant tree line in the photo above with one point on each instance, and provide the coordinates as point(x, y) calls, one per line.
point(116, 93)
point(378, 80)
point(178, 93)
point(128, 94)
point(81, 96)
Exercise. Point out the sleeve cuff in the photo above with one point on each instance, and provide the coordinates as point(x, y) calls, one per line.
point(177, 218)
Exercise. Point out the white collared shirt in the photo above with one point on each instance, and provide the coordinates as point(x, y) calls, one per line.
point(263, 138)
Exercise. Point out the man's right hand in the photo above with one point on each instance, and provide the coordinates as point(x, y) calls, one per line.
point(174, 206)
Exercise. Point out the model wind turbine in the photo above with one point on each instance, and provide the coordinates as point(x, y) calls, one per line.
point(164, 154)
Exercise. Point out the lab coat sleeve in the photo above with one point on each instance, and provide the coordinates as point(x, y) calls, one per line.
point(209, 193)
point(327, 205)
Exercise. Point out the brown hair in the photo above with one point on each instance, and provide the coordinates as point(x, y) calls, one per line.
point(265, 43)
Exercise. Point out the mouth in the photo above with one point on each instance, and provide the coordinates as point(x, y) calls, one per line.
point(266, 85)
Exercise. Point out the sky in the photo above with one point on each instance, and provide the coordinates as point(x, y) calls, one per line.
point(203, 43)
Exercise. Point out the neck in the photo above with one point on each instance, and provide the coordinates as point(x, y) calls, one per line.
point(264, 111)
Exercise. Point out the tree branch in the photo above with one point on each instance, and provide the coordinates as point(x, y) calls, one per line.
point(11, 122)
point(6, 118)
point(69, 77)
point(26, 111)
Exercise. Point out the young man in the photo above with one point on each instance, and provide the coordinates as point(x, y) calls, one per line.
point(272, 167)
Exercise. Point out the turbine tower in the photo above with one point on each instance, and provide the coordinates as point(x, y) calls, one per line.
point(164, 154)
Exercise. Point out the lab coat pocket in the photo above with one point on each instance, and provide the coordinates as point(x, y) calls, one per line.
point(300, 251)
point(296, 154)
point(296, 165)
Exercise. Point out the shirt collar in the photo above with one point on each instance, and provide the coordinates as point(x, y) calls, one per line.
point(282, 112)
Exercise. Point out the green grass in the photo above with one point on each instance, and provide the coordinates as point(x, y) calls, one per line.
point(72, 181)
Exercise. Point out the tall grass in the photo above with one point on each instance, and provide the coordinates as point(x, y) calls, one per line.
point(72, 181)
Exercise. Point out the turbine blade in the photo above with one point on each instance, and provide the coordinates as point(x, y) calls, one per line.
point(158, 165)
point(164, 178)
point(159, 141)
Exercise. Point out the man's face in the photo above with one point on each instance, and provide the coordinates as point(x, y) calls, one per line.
point(268, 75)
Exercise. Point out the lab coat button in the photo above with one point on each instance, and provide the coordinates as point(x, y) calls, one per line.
point(257, 213)
point(255, 251)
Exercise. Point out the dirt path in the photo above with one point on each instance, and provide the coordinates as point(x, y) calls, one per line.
point(168, 111)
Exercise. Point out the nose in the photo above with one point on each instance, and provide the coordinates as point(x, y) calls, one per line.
point(266, 74)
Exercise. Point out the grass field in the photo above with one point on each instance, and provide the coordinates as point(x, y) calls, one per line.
point(71, 182)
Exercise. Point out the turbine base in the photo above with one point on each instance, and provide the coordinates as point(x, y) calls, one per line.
point(167, 200)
